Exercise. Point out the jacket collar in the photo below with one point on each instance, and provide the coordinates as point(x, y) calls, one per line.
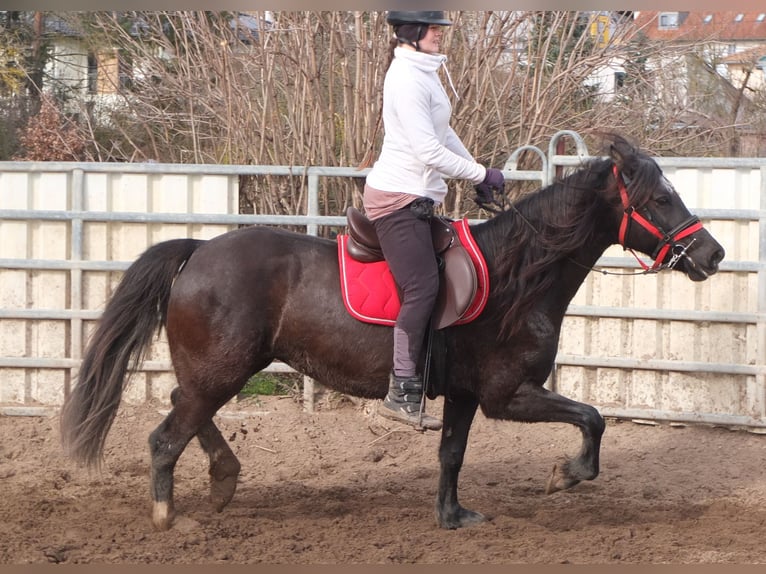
point(421, 60)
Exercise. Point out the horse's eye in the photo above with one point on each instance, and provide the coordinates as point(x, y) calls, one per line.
point(662, 200)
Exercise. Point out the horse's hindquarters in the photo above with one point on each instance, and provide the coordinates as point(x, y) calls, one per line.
point(259, 294)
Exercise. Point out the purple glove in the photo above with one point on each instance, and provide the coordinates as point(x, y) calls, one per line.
point(494, 180)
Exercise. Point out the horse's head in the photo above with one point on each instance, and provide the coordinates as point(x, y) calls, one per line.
point(655, 220)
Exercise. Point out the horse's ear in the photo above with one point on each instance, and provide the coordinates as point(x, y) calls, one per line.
point(624, 157)
point(617, 157)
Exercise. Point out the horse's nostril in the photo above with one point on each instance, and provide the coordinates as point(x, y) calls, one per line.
point(717, 257)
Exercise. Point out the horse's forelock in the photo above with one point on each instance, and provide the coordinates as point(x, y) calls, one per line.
point(641, 173)
point(646, 177)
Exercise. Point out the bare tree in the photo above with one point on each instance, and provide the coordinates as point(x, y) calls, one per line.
point(306, 89)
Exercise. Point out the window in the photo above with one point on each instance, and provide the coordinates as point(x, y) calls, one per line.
point(707, 19)
point(92, 74)
point(668, 20)
point(619, 79)
point(760, 17)
point(125, 73)
point(599, 30)
point(738, 17)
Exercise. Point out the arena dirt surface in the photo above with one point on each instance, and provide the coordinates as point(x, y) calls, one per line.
point(342, 485)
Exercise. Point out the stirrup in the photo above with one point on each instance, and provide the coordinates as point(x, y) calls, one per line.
point(417, 420)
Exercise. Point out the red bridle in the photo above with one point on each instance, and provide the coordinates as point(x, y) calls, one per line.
point(666, 239)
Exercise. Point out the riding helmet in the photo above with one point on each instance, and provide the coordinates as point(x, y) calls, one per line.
point(399, 17)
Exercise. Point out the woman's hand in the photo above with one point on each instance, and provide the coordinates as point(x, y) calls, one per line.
point(493, 181)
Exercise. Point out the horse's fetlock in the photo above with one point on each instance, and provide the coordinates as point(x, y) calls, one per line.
point(163, 515)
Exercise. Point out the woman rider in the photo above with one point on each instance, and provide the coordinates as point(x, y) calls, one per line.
point(406, 181)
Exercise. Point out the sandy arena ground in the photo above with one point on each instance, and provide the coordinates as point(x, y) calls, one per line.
point(342, 485)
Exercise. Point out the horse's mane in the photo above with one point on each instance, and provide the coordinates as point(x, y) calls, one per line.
point(525, 241)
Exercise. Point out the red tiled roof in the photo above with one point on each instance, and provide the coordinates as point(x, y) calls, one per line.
point(705, 25)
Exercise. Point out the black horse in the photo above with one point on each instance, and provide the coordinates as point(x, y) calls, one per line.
point(235, 303)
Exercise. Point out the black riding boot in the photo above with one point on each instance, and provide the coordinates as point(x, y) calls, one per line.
point(402, 403)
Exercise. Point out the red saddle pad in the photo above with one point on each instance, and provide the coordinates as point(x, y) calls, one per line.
point(370, 293)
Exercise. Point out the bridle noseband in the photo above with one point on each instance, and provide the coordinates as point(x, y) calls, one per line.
point(667, 240)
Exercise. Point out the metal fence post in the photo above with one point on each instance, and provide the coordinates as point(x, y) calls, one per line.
point(760, 378)
point(77, 190)
point(309, 390)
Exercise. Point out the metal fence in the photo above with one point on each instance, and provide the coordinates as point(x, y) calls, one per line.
point(653, 347)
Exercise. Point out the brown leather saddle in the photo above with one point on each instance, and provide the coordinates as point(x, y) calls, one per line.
point(458, 282)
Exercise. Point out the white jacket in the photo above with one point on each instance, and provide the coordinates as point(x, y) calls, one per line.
point(419, 146)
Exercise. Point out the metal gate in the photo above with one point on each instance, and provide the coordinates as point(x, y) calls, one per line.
point(653, 347)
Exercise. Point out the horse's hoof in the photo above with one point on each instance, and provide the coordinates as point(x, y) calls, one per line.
point(162, 515)
point(222, 491)
point(550, 486)
point(559, 481)
point(469, 518)
point(461, 519)
point(223, 481)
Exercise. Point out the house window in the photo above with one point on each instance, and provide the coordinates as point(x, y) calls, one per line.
point(92, 74)
point(760, 17)
point(619, 79)
point(738, 17)
point(668, 20)
point(707, 19)
point(599, 30)
point(125, 71)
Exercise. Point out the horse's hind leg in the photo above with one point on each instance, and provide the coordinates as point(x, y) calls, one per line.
point(166, 443)
point(224, 465)
point(533, 403)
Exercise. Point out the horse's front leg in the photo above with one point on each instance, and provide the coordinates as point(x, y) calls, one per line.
point(458, 416)
point(532, 403)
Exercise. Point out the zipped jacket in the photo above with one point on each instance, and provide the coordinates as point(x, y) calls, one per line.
point(419, 146)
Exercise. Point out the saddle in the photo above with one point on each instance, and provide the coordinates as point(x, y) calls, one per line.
point(462, 291)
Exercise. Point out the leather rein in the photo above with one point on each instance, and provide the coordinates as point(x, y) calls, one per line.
point(667, 240)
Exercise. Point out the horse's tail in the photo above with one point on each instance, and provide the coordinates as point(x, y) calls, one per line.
point(136, 310)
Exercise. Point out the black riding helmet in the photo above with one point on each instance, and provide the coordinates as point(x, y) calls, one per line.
point(398, 17)
point(411, 26)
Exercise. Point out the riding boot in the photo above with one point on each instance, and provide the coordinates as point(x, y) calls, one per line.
point(403, 402)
